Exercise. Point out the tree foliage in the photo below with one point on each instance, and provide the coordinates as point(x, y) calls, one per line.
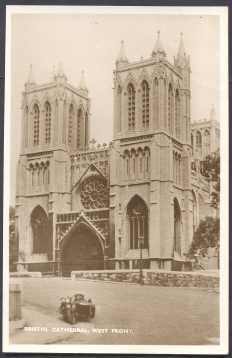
point(206, 235)
point(212, 172)
point(13, 242)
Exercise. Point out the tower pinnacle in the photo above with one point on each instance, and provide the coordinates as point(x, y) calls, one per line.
point(181, 59)
point(82, 85)
point(31, 76)
point(59, 75)
point(122, 58)
point(30, 80)
point(158, 50)
point(212, 113)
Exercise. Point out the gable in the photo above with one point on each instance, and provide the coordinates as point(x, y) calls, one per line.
point(91, 171)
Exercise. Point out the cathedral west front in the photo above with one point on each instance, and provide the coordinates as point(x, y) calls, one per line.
point(83, 206)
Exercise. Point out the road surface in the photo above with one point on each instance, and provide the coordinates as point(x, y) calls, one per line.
point(129, 313)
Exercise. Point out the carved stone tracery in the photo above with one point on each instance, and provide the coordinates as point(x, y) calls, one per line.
point(94, 192)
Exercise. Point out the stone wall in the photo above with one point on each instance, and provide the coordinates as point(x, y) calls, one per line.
point(15, 302)
point(153, 278)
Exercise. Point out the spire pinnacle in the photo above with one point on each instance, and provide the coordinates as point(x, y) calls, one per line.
point(31, 76)
point(82, 84)
point(59, 75)
point(60, 71)
point(181, 59)
point(53, 72)
point(181, 50)
point(122, 58)
point(30, 80)
point(158, 50)
point(212, 113)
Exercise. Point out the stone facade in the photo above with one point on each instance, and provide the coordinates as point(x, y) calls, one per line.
point(85, 206)
point(205, 136)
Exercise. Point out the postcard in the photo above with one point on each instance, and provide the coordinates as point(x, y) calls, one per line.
point(115, 199)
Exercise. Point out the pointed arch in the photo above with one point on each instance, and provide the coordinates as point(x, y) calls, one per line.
point(36, 123)
point(199, 142)
point(156, 102)
point(194, 211)
point(192, 143)
point(82, 248)
point(207, 142)
point(48, 119)
point(127, 170)
point(170, 108)
point(133, 157)
point(41, 238)
point(147, 161)
point(137, 216)
point(177, 227)
point(177, 114)
point(131, 106)
point(80, 135)
point(86, 129)
point(26, 125)
point(70, 123)
point(145, 104)
point(140, 166)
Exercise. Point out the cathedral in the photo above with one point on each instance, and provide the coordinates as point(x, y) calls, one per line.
point(83, 206)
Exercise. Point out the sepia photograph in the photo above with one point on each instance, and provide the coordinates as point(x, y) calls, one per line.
point(115, 198)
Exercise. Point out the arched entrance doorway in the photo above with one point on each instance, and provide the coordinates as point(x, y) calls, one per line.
point(41, 235)
point(177, 228)
point(82, 250)
point(137, 215)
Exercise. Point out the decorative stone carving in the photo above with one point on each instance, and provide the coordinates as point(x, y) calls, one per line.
point(94, 192)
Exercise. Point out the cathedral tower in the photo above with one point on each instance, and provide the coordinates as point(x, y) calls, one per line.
point(150, 164)
point(55, 123)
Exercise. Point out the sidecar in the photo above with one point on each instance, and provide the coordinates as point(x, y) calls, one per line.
point(84, 308)
point(76, 308)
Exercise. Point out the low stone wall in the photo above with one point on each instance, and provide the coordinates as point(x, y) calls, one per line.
point(25, 274)
point(153, 278)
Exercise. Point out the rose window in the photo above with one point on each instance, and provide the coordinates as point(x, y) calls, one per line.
point(94, 193)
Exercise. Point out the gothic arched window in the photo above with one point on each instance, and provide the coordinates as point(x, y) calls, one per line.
point(35, 115)
point(42, 243)
point(177, 227)
point(194, 211)
point(133, 163)
point(137, 214)
point(80, 120)
point(177, 114)
point(207, 142)
point(156, 103)
point(147, 161)
point(86, 128)
point(131, 107)
point(127, 164)
point(70, 123)
point(199, 142)
point(170, 108)
point(48, 114)
point(145, 104)
point(26, 126)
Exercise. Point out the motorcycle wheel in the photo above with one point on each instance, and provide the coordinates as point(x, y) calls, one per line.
point(92, 312)
point(69, 317)
point(76, 316)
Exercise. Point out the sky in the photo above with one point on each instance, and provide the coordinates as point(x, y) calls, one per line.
point(91, 42)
